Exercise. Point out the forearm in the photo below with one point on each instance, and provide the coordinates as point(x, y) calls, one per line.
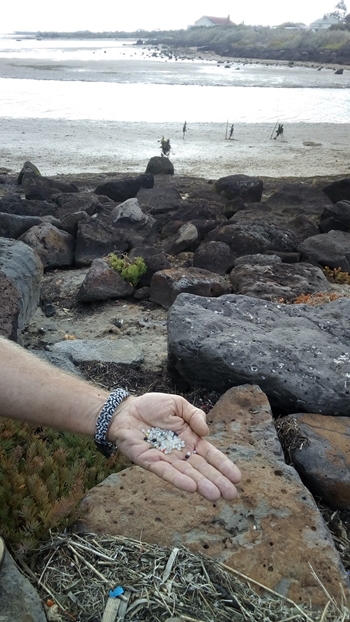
point(37, 392)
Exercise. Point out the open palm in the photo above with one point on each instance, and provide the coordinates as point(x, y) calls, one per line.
point(207, 471)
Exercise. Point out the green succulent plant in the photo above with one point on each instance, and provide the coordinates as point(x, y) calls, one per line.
point(131, 270)
point(44, 474)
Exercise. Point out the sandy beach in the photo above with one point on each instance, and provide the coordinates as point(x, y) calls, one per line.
point(92, 107)
point(70, 147)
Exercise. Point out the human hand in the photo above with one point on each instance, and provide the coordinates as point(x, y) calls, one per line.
point(208, 471)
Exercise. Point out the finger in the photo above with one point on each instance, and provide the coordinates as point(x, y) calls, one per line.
point(206, 486)
point(208, 478)
point(219, 461)
point(169, 473)
point(183, 476)
point(195, 417)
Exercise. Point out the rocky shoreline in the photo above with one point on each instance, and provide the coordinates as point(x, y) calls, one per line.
point(235, 311)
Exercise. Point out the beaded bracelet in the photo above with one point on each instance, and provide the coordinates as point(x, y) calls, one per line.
point(104, 419)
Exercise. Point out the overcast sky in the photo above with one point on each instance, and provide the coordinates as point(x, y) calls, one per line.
point(111, 15)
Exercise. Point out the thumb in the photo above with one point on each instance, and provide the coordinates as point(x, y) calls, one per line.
point(195, 417)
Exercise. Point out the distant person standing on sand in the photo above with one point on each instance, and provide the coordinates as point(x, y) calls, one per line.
point(231, 131)
point(165, 146)
point(184, 130)
point(279, 131)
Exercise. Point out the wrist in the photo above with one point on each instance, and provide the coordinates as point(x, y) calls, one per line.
point(105, 442)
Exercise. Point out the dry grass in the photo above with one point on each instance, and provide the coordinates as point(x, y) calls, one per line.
point(75, 574)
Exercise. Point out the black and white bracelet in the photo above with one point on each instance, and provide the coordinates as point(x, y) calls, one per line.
point(104, 419)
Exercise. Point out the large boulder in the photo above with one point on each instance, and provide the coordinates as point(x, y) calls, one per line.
point(298, 198)
point(300, 225)
point(160, 166)
point(338, 190)
point(123, 189)
point(251, 238)
point(155, 260)
point(336, 217)
point(203, 215)
point(103, 283)
point(12, 225)
point(274, 281)
point(14, 204)
point(43, 188)
point(269, 533)
point(61, 287)
point(138, 228)
point(214, 256)
point(118, 230)
point(97, 237)
point(330, 249)
point(69, 203)
point(119, 351)
point(185, 239)
point(160, 199)
point(320, 451)
point(20, 602)
point(298, 354)
point(166, 285)
point(28, 167)
point(248, 188)
point(21, 272)
point(54, 246)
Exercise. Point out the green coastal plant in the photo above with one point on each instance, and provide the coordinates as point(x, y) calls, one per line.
point(131, 270)
point(337, 275)
point(44, 474)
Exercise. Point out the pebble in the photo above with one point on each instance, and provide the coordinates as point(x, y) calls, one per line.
point(164, 440)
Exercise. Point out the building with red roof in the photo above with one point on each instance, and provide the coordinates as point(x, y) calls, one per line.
point(213, 21)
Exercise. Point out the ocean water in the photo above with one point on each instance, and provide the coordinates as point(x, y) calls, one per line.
point(111, 80)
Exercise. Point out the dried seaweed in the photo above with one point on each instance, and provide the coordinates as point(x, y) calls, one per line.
point(76, 572)
point(290, 436)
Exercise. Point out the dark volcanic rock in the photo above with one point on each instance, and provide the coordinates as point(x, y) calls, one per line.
point(301, 225)
point(54, 246)
point(275, 281)
point(251, 238)
point(12, 225)
point(328, 249)
point(27, 167)
point(81, 201)
point(160, 166)
point(297, 354)
point(123, 189)
point(321, 455)
point(20, 277)
point(299, 198)
point(160, 199)
point(336, 217)
point(248, 188)
point(338, 190)
point(96, 238)
point(214, 256)
point(43, 188)
point(168, 284)
point(20, 602)
point(136, 227)
point(185, 239)
point(103, 283)
point(155, 260)
point(14, 204)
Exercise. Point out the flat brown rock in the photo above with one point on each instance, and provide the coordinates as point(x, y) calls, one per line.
point(271, 533)
point(323, 461)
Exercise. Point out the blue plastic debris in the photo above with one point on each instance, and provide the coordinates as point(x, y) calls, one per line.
point(118, 591)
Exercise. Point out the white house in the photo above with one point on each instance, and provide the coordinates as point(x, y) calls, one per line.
point(213, 21)
point(325, 22)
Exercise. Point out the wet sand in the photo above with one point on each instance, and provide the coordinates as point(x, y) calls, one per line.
point(70, 147)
